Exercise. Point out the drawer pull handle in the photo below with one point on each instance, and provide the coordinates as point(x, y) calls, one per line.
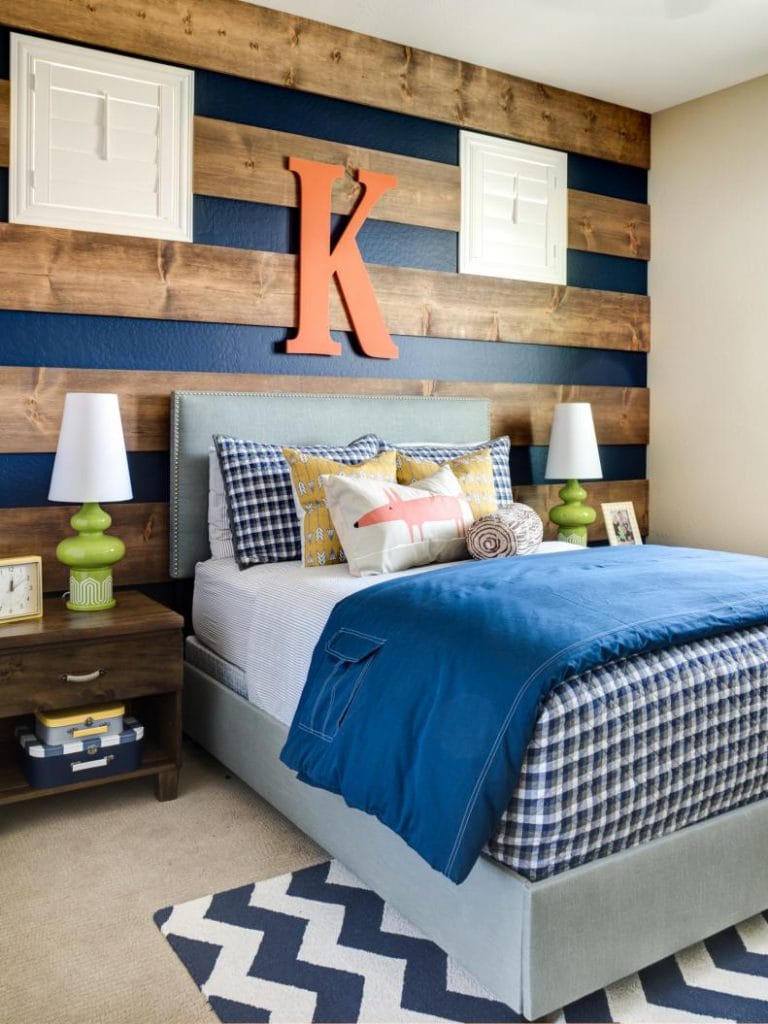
point(89, 677)
point(83, 766)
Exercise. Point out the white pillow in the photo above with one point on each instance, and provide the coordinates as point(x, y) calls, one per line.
point(385, 527)
point(220, 538)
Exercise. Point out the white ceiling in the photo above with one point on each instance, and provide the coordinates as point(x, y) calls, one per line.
point(648, 54)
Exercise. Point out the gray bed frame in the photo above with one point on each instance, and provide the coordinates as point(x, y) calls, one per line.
point(536, 945)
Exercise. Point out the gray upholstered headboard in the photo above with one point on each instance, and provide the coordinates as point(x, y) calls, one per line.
point(291, 419)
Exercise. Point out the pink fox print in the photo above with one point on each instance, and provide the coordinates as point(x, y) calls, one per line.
point(438, 508)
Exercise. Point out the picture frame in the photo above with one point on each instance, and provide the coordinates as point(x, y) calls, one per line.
point(621, 523)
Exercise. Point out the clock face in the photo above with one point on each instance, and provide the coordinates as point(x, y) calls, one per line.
point(20, 596)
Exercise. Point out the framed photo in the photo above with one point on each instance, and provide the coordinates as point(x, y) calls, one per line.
point(621, 523)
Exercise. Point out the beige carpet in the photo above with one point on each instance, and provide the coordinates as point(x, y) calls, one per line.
point(82, 873)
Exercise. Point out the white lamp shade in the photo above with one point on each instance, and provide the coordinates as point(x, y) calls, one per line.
point(573, 450)
point(90, 464)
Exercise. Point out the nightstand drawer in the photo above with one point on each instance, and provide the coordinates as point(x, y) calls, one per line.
point(58, 676)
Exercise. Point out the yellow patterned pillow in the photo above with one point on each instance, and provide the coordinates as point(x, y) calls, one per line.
point(319, 540)
point(474, 472)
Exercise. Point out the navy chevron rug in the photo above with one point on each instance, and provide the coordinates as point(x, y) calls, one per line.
point(317, 945)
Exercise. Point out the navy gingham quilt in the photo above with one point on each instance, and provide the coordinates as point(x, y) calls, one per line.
point(508, 634)
point(638, 748)
point(257, 482)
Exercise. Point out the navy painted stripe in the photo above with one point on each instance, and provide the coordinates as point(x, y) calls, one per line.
point(590, 174)
point(619, 462)
point(244, 225)
point(25, 479)
point(128, 343)
point(404, 245)
point(610, 273)
point(287, 110)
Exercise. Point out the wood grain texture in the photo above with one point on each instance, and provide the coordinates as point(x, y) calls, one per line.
point(32, 400)
point(143, 527)
point(30, 678)
point(134, 614)
point(5, 122)
point(38, 530)
point(238, 161)
point(270, 46)
point(56, 271)
point(614, 226)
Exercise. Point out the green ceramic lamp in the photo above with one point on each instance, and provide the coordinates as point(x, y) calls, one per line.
point(90, 466)
point(573, 455)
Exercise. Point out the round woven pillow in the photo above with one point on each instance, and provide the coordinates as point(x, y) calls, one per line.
point(515, 530)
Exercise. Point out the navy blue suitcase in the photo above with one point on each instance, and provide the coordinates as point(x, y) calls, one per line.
point(46, 764)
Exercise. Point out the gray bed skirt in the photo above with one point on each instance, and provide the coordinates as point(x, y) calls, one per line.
point(536, 945)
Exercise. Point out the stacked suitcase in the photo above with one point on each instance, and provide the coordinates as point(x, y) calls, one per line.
point(77, 744)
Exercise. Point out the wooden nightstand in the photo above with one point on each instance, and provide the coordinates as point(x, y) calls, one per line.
point(132, 653)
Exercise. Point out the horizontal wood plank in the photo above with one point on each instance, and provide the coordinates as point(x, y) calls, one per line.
point(142, 526)
point(32, 400)
point(238, 161)
point(269, 46)
point(617, 227)
point(56, 271)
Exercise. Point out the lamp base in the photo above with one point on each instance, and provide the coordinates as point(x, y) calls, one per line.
point(90, 557)
point(572, 517)
point(90, 590)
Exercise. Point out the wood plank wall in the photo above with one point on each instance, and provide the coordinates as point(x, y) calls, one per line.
point(32, 399)
point(269, 46)
point(143, 526)
point(54, 271)
point(31, 402)
point(45, 269)
point(238, 161)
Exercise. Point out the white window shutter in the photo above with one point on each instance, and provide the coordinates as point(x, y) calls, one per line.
point(100, 142)
point(514, 210)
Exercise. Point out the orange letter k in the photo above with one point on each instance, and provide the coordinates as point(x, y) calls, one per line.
point(318, 263)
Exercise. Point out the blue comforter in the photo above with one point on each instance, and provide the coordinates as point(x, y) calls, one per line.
point(423, 691)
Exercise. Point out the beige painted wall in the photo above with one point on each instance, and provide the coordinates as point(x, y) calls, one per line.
point(708, 280)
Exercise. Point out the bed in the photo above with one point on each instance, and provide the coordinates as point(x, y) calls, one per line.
point(536, 944)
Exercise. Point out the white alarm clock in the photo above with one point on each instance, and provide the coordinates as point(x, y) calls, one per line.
point(21, 588)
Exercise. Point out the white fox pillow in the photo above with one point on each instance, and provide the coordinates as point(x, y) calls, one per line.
point(385, 527)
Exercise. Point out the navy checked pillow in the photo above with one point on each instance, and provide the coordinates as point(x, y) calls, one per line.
point(257, 482)
point(499, 446)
